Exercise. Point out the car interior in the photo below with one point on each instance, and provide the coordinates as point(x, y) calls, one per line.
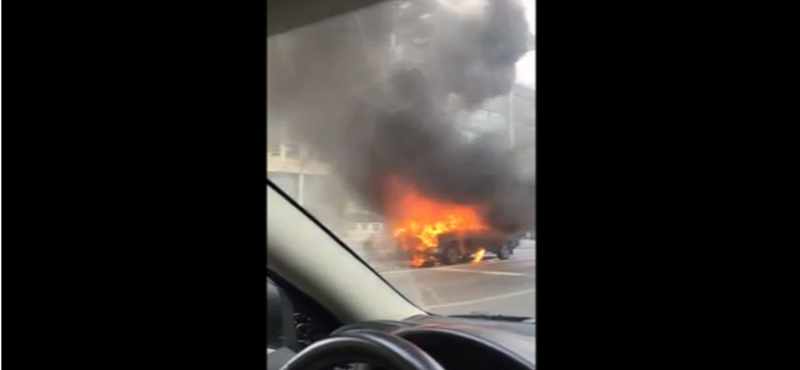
point(328, 309)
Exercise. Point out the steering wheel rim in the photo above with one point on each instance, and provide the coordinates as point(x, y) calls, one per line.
point(363, 346)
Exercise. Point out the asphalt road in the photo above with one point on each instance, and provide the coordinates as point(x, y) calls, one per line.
point(492, 286)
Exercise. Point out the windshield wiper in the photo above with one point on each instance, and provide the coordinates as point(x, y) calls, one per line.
point(509, 318)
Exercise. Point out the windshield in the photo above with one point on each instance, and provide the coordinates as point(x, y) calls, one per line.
point(408, 128)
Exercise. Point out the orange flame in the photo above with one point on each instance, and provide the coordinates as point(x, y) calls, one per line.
point(417, 220)
point(479, 256)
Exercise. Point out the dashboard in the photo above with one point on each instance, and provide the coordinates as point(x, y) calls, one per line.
point(465, 343)
point(454, 342)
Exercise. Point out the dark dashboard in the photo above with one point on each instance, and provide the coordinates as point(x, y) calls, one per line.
point(465, 343)
point(456, 343)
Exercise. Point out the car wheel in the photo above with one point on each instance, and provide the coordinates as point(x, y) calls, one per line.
point(451, 255)
point(504, 253)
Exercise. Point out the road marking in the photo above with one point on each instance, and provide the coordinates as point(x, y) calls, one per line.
point(500, 273)
point(514, 260)
point(433, 294)
point(486, 299)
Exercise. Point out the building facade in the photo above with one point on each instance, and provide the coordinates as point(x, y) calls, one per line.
point(294, 167)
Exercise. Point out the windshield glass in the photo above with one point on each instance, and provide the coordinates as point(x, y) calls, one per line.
point(408, 128)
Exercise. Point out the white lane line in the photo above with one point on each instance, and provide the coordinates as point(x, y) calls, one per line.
point(486, 299)
point(500, 273)
point(533, 259)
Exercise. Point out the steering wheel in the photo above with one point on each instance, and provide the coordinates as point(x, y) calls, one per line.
point(371, 347)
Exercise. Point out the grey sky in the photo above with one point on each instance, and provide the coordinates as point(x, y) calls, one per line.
point(526, 67)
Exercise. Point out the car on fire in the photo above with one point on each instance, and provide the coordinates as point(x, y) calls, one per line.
point(463, 246)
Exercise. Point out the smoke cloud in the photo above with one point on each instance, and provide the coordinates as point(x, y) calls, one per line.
point(372, 116)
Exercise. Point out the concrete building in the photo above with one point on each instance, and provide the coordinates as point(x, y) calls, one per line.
point(295, 168)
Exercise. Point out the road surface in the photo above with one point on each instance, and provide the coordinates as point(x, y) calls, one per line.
point(492, 286)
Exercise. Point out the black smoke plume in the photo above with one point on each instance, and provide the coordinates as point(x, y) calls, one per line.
point(371, 116)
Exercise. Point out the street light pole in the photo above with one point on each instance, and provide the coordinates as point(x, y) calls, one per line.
point(511, 125)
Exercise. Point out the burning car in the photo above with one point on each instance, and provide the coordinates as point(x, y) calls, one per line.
point(432, 231)
point(457, 247)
